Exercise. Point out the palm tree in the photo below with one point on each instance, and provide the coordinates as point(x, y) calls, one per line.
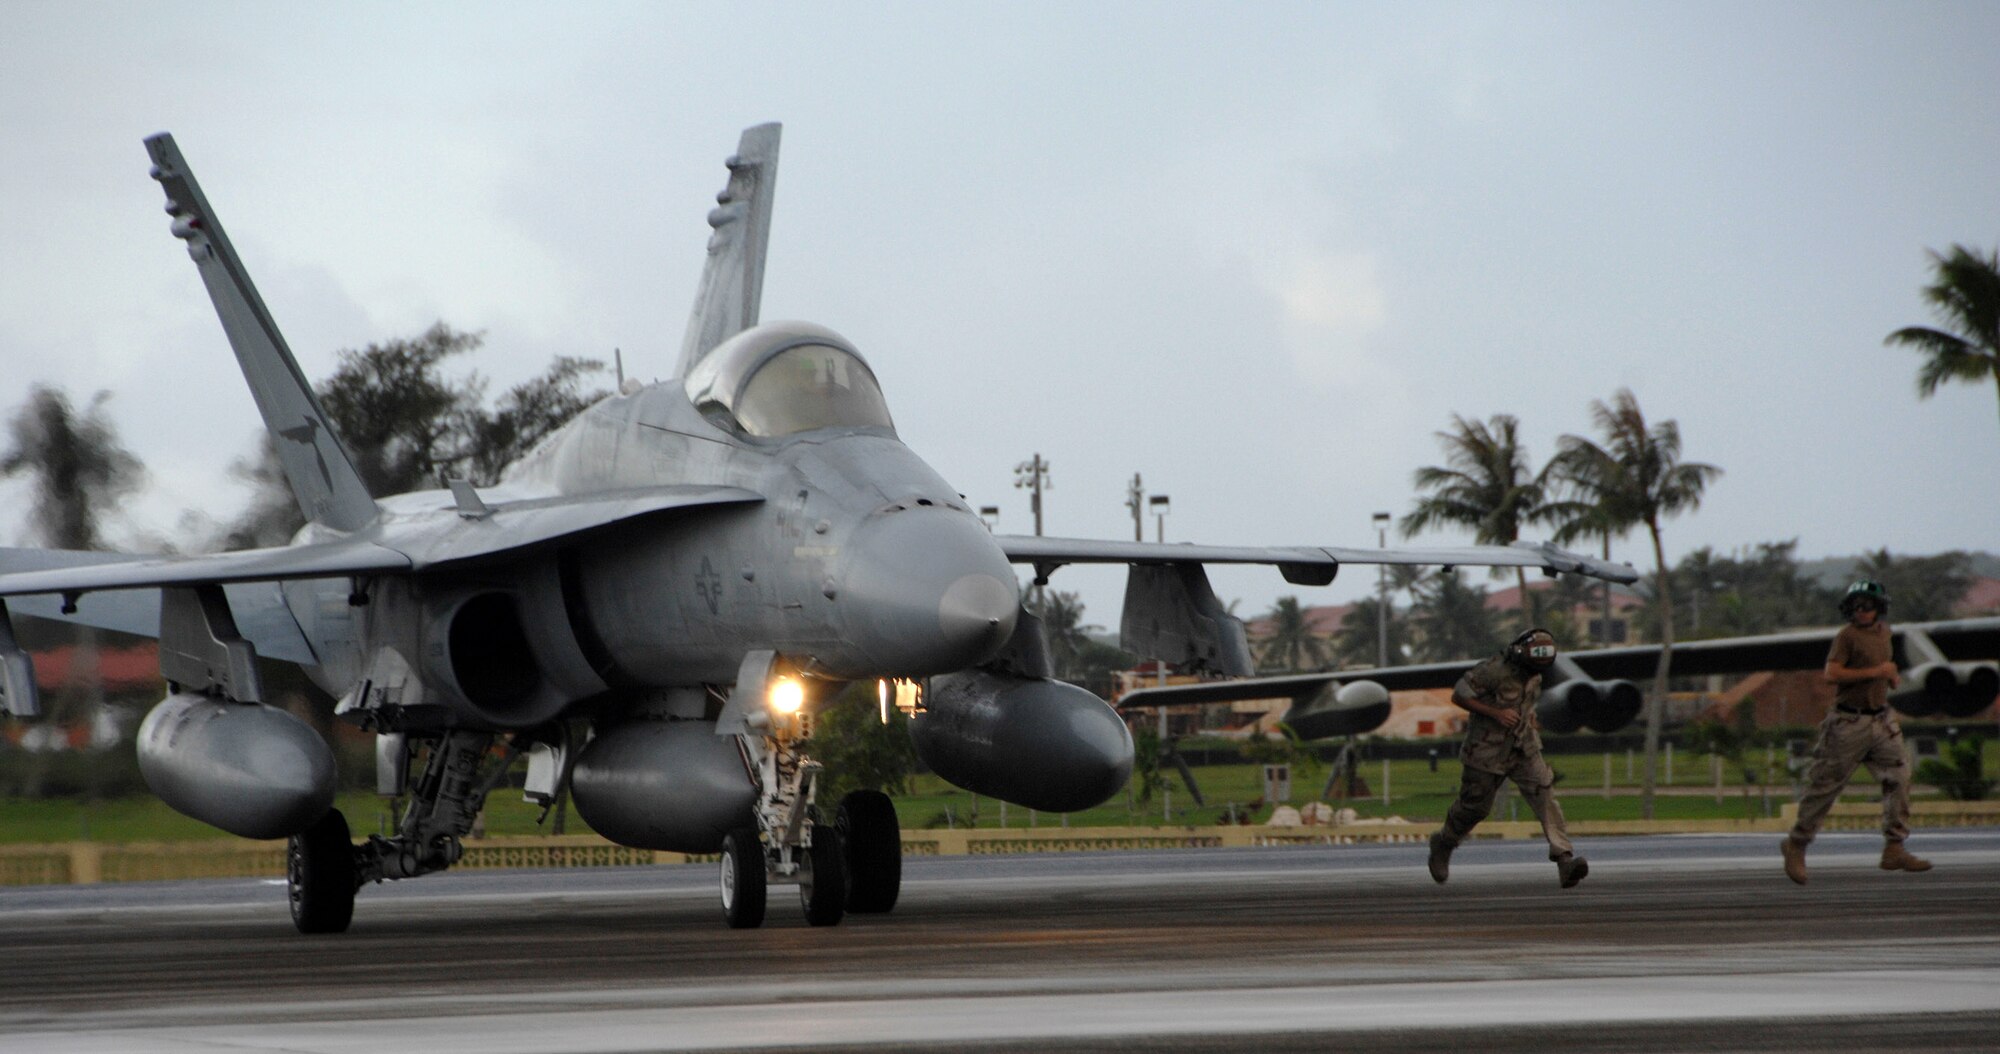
point(1966, 298)
point(1636, 477)
point(1358, 642)
point(1291, 644)
point(1063, 628)
point(78, 466)
point(1485, 486)
point(79, 469)
point(1450, 619)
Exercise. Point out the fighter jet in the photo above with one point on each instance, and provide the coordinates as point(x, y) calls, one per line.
point(650, 605)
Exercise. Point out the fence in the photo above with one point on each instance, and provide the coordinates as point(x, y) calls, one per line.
point(86, 862)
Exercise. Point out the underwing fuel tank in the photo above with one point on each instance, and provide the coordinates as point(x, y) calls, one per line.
point(250, 769)
point(1044, 744)
point(672, 785)
point(1340, 710)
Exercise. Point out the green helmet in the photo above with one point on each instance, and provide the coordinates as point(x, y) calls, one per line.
point(1866, 589)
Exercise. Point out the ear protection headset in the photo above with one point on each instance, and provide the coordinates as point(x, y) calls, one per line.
point(1535, 648)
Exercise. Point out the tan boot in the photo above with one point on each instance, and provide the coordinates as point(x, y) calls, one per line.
point(1897, 858)
point(1795, 861)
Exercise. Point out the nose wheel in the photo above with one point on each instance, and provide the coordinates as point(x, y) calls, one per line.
point(749, 868)
point(743, 879)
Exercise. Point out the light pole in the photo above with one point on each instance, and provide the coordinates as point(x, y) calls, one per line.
point(1135, 499)
point(1382, 594)
point(990, 516)
point(1160, 510)
point(1033, 476)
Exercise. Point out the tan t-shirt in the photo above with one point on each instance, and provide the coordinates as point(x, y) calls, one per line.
point(1489, 745)
point(1855, 648)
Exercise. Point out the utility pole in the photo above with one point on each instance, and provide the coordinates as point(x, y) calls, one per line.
point(1033, 476)
point(1135, 499)
point(1382, 594)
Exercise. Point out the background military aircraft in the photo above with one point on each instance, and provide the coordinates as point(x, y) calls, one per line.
point(649, 605)
point(1947, 670)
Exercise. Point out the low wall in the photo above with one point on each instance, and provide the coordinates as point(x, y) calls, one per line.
point(85, 862)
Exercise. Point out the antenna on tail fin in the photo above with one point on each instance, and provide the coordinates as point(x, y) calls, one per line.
point(732, 281)
point(322, 477)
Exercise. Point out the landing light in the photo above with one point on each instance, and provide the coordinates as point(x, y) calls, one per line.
point(904, 695)
point(787, 695)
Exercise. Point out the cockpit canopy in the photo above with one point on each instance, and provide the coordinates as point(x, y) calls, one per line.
point(783, 378)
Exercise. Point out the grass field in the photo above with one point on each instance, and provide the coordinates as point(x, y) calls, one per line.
point(1416, 793)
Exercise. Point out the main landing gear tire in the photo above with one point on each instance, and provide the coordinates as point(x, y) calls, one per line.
point(823, 891)
point(319, 875)
point(743, 879)
point(874, 840)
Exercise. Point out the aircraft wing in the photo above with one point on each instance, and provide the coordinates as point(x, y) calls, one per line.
point(433, 542)
point(50, 583)
point(1303, 565)
point(1951, 656)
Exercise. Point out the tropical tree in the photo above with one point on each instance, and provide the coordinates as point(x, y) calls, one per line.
point(1358, 641)
point(861, 752)
point(78, 467)
point(1636, 477)
point(78, 471)
point(1291, 643)
point(1062, 627)
point(1484, 486)
point(1449, 620)
point(1921, 588)
point(408, 426)
point(1964, 297)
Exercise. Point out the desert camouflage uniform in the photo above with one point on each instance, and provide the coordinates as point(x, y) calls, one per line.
point(1494, 753)
point(1861, 729)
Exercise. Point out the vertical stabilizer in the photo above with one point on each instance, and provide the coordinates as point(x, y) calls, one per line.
point(732, 282)
point(322, 477)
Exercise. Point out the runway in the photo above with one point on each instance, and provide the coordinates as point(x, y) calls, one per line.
point(1673, 943)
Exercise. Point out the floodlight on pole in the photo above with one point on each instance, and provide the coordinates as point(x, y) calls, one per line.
point(1159, 505)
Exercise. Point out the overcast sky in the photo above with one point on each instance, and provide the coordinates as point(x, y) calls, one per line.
point(1259, 253)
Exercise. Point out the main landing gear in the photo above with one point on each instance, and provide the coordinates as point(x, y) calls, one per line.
point(324, 868)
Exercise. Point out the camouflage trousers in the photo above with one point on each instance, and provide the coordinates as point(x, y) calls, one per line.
point(1477, 789)
point(1846, 742)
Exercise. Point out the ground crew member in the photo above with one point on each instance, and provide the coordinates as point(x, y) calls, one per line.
point(1859, 730)
point(1502, 743)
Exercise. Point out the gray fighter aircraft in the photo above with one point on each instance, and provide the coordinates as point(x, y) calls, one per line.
point(649, 606)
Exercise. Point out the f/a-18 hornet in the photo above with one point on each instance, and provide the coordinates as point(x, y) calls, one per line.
point(649, 606)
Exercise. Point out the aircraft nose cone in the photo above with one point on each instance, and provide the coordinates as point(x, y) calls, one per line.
point(926, 591)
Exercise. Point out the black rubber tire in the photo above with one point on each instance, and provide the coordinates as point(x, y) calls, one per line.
point(319, 875)
point(823, 891)
point(874, 839)
point(743, 879)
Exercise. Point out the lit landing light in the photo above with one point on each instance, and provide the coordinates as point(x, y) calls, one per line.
point(786, 696)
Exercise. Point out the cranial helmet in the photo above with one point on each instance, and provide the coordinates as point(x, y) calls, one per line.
point(1534, 649)
point(1866, 590)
